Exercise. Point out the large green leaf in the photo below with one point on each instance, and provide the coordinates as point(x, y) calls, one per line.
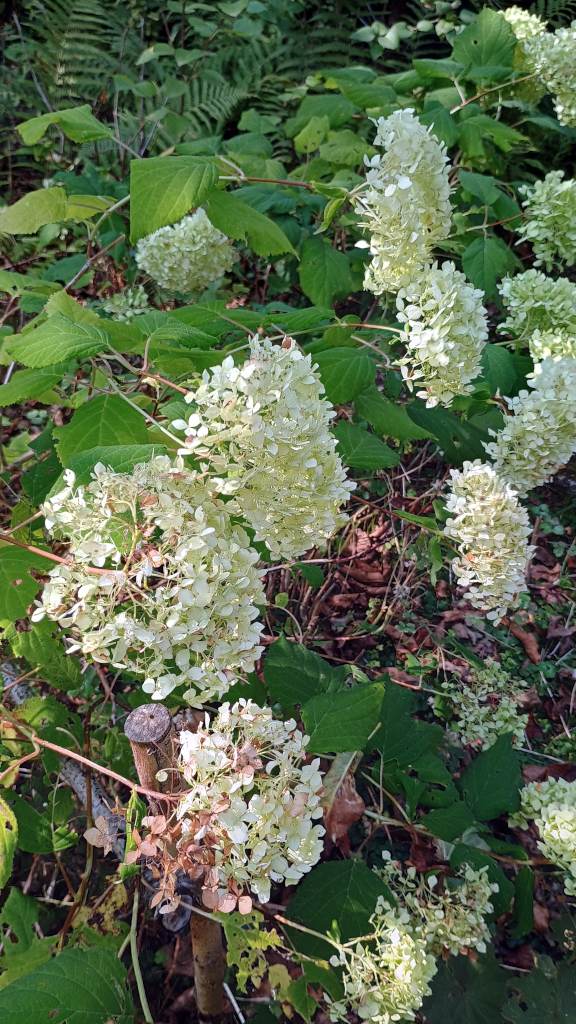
point(388, 418)
point(17, 921)
point(29, 214)
point(36, 833)
point(324, 272)
point(486, 47)
point(362, 450)
point(8, 841)
point(458, 439)
point(491, 784)
point(294, 674)
point(345, 372)
point(80, 986)
point(345, 720)
point(29, 384)
point(17, 587)
point(486, 261)
point(476, 988)
point(163, 189)
point(57, 340)
point(340, 893)
point(242, 222)
point(546, 996)
point(77, 123)
point(104, 420)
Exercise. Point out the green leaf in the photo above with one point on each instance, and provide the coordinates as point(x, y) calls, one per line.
point(57, 340)
point(545, 996)
point(523, 903)
point(102, 421)
point(8, 841)
point(17, 587)
point(29, 384)
point(458, 439)
point(45, 653)
point(29, 214)
point(342, 721)
point(491, 784)
point(293, 674)
point(242, 222)
point(163, 189)
point(481, 186)
point(486, 260)
point(476, 988)
point(386, 417)
point(337, 109)
point(362, 450)
point(345, 147)
point(401, 738)
point(499, 370)
point(476, 130)
point(449, 823)
point(324, 272)
point(311, 135)
point(486, 47)
point(19, 915)
point(121, 457)
point(36, 834)
point(345, 372)
point(342, 893)
point(80, 986)
point(77, 123)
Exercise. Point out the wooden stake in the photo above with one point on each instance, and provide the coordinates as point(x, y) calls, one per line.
point(209, 967)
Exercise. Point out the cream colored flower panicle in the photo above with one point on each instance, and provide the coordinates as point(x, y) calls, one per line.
point(263, 428)
point(523, 24)
point(539, 304)
point(445, 332)
point(526, 27)
point(187, 256)
point(539, 437)
point(249, 811)
point(405, 203)
point(387, 980)
point(491, 531)
point(486, 706)
point(551, 56)
point(177, 598)
point(551, 806)
point(550, 220)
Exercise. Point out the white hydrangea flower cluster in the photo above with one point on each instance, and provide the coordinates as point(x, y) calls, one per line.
point(263, 427)
point(388, 979)
point(445, 332)
point(540, 435)
point(525, 26)
point(552, 345)
point(486, 706)
point(540, 306)
point(491, 530)
point(127, 304)
point(187, 256)
point(250, 810)
point(405, 203)
point(176, 598)
point(551, 56)
point(550, 219)
point(551, 806)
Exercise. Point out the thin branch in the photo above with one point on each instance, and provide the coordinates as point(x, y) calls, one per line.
point(495, 88)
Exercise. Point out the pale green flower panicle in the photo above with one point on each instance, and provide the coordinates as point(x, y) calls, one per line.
point(176, 600)
point(405, 203)
point(127, 304)
point(187, 256)
point(526, 27)
point(264, 430)
point(445, 332)
point(539, 304)
point(491, 531)
point(550, 220)
point(539, 437)
point(251, 803)
point(551, 806)
point(551, 55)
point(485, 706)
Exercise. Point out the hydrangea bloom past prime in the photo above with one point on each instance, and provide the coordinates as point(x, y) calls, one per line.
point(551, 55)
point(445, 332)
point(248, 814)
point(537, 304)
point(491, 531)
point(540, 435)
point(264, 429)
point(127, 304)
point(176, 600)
point(486, 706)
point(550, 220)
point(187, 256)
point(405, 204)
point(551, 805)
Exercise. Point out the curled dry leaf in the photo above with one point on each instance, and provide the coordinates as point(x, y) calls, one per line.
point(100, 835)
point(342, 804)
